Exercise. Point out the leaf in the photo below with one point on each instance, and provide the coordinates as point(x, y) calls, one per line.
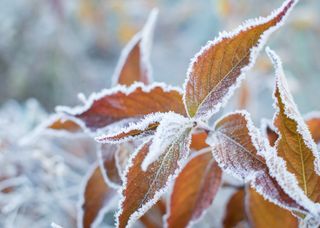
point(235, 211)
point(237, 147)
point(295, 144)
point(134, 63)
point(143, 189)
point(313, 122)
point(219, 67)
point(198, 141)
point(264, 214)
point(59, 123)
point(123, 103)
point(144, 127)
point(97, 199)
point(194, 190)
point(272, 136)
point(171, 127)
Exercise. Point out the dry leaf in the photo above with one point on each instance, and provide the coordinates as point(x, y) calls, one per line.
point(218, 68)
point(198, 141)
point(194, 190)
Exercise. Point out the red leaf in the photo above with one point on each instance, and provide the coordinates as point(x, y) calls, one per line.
point(194, 190)
point(121, 104)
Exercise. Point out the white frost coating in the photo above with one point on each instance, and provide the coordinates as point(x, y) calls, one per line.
point(43, 129)
point(111, 205)
point(263, 149)
point(82, 98)
point(145, 207)
point(253, 52)
point(117, 89)
point(146, 37)
point(54, 225)
point(101, 165)
point(140, 125)
point(170, 129)
point(290, 108)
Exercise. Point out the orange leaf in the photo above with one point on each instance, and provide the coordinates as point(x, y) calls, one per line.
point(134, 63)
point(113, 159)
point(295, 144)
point(219, 67)
point(143, 189)
point(122, 103)
point(314, 127)
point(198, 141)
point(67, 125)
point(98, 198)
point(263, 214)
point(235, 212)
point(236, 146)
point(194, 190)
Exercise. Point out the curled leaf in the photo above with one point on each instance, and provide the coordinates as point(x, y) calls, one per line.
point(142, 189)
point(194, 190)
point(219, 67)
point(126, 103)
point(97, 199)
point(134, 63)
point(295, 144)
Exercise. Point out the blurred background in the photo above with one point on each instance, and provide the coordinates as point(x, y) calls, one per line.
point(51, 50)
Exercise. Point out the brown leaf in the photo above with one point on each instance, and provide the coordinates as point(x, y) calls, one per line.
point(236, 145)
point(97, 199)
point(134, 63)
point(198, 141)
point(194, 190)
point(235, 210)
point(263, 214)
point(121, 104)
point(295, 144)
point(272, 135)
point(143, 189)
point(218, 68)
point(314, 127)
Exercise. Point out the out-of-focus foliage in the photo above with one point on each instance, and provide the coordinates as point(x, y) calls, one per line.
point(39, 179)
point(53, 49)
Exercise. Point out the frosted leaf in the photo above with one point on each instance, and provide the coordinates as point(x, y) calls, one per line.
point(296, 158)
point(201, 176)
point(134, 63)
point(135, 130)
point(120, 103)
point(171, 127)
point(217, 70)
point(239, 149)
point(96, 199)
point(142, 189)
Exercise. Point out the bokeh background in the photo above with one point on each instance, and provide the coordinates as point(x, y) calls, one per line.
point(51, 50)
